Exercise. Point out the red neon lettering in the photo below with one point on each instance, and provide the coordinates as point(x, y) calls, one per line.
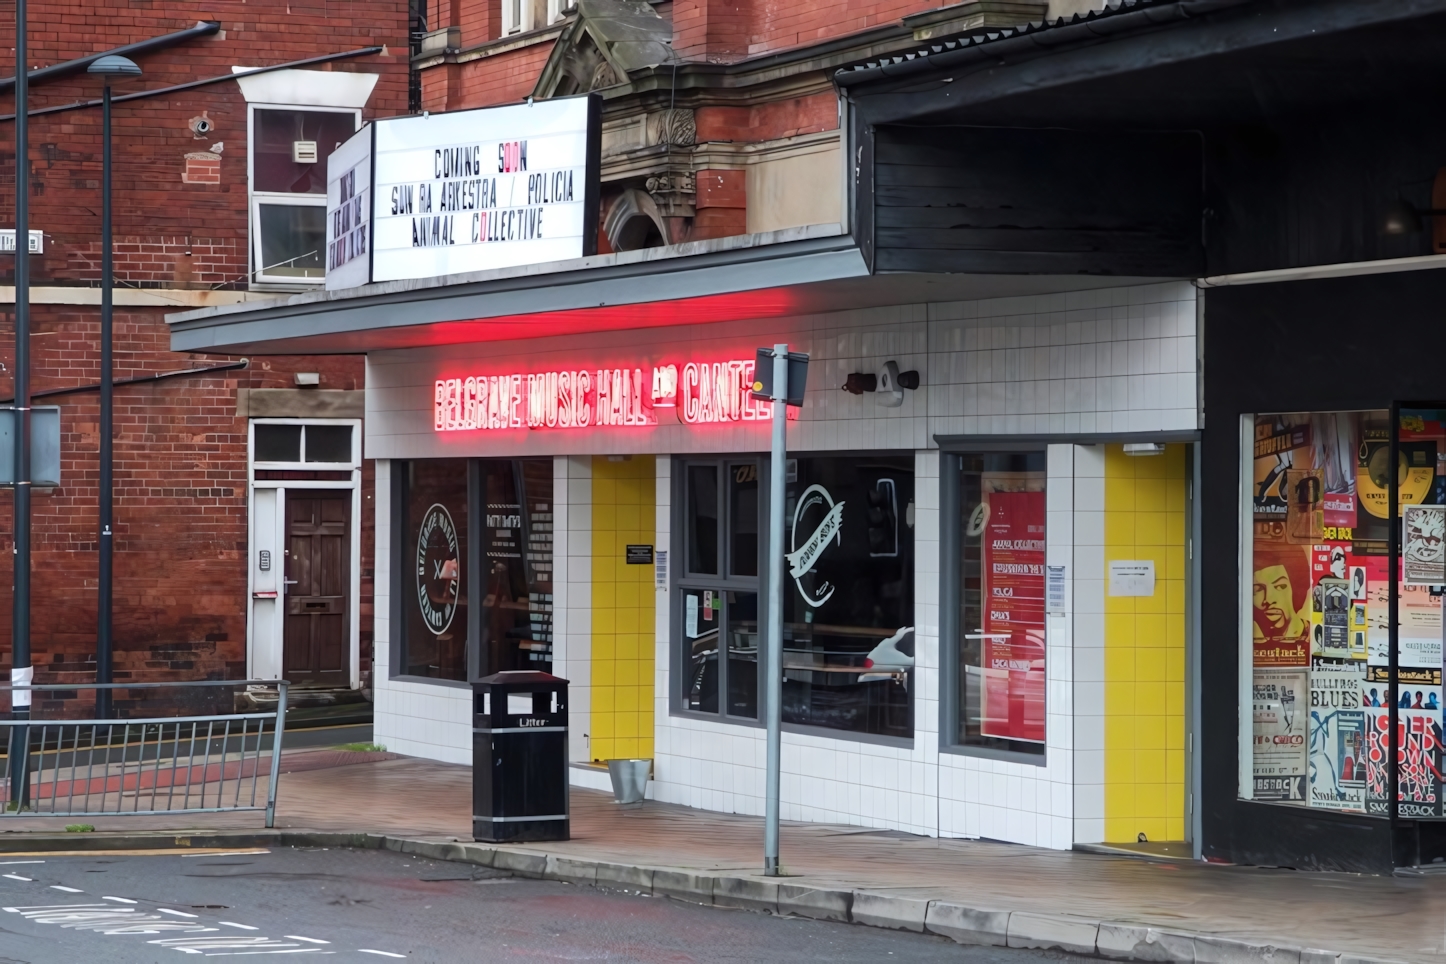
point(702, 393)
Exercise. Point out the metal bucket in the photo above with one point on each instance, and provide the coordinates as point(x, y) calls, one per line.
point(630, 780)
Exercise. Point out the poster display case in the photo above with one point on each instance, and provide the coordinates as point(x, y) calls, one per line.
point(1345, 515)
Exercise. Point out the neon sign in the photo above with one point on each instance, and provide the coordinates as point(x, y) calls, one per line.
point(701, 393)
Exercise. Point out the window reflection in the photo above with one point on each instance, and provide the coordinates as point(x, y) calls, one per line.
point(848, 637)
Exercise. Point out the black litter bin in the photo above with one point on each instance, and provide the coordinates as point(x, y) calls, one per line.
point(519, 757)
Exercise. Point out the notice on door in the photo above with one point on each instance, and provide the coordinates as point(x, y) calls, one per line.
point(1132, 577)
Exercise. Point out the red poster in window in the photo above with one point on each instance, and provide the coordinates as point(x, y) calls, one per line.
point(1012, 697)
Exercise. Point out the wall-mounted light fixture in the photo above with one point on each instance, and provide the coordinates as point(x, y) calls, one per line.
point(888, 386)
point(1144, 448)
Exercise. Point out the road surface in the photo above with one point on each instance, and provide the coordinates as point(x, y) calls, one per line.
point(377, 906)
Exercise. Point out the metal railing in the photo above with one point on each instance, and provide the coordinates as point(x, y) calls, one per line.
point(151, 765)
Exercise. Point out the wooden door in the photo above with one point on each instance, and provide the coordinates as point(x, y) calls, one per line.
point(318, 558)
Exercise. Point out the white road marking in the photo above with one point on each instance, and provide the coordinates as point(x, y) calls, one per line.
point(107, 919)
point(309, 940)
point(68, 890)
point(229, 946)
point(173, 913)
point(244, 927)
point(18, 877)
point(231, 853)
point(368, 950)
point(119, 900)
point(6, 863)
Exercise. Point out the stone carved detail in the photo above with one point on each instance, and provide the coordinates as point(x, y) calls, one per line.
point(675, 127)
point(674, 192)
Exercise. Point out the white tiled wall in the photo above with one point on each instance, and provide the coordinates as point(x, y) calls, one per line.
point(1089, 643)
point(572, 593)
point(1113, 360)
point(1110, 360)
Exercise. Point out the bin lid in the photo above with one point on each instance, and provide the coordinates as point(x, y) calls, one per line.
point(515, 677)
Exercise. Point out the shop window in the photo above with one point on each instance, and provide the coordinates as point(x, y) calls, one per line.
point(1318, 636)
point(289, 149)
point(516, 554)
point(848, 612)
point(999, 645)
point(431, 567)
point(718, 591)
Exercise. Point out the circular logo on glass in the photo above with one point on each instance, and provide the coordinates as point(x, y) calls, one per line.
point(816, 508)
point(438, 569)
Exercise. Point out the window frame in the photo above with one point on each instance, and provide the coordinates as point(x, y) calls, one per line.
point(683, 580)
point(951, 547)
point(255, 199)
point(303, 465)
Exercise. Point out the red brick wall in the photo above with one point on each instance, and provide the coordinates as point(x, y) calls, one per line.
point(503, 79)
point(153, 206)
point(783, 118)
point(180, 450)
point(180, 503)
point(715, 30)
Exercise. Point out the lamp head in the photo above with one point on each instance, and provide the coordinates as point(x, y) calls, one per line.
point(114, 65)
point(1401, 218)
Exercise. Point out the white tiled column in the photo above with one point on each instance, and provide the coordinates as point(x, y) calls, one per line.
point(382, 576)
point(662, 616)
point(1089, 643)
point(1054, 818)
point(923, 800)
point(572, 593)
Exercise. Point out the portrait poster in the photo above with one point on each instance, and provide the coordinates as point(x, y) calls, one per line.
point(1337, 738)
point(1012, 695)
point(1280, 716)
point(1281, 590)
point(1423, 550)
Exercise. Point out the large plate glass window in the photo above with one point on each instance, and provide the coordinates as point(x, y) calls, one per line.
point(1001, 599)
point(718, 589)
point(1317, 523)
point(289, 148)
point(848, 617)
point(516, 613)
point(432, 577)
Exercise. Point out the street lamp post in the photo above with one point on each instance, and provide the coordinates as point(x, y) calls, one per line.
point(21, 671)
point(109, 67)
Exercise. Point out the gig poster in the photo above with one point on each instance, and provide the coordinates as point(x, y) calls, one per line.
point(1279, 717)
point(1337, 737)
point(1012, 697)
point(1418, 735)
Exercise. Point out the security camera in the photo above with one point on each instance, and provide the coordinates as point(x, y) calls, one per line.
point(201, 126)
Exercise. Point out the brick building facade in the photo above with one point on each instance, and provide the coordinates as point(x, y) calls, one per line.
point(186, 223)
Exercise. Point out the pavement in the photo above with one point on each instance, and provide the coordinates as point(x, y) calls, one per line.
point(973, 892)
point(376, 905)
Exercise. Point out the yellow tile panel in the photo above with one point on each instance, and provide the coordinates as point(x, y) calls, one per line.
point(623, 608)
point(1145, 649)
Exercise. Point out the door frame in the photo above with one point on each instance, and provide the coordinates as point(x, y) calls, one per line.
point(269, 665)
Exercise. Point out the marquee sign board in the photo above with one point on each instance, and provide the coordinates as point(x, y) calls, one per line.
point(441, 194)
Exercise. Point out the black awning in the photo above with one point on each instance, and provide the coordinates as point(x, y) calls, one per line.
point(1181, 63)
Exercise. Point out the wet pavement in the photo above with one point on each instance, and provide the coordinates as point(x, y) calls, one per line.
point(1379, 917)
point(377, 906)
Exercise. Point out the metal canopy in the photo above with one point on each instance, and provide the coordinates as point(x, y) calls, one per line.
point(658, 287)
